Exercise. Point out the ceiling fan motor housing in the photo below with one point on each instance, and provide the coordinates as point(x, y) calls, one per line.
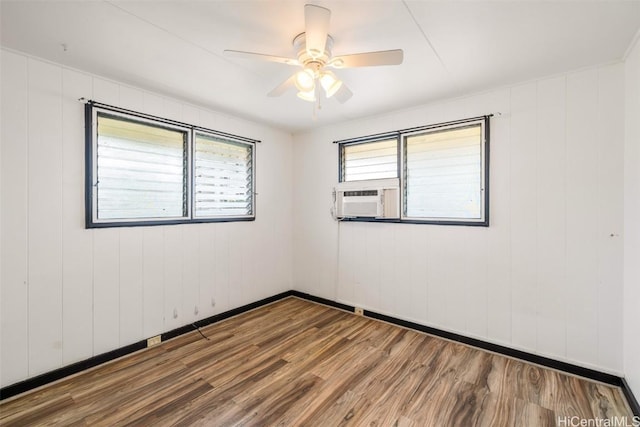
point(310, 62)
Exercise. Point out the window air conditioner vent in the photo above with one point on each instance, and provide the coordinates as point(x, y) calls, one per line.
point(361, 193)
point(374, 198)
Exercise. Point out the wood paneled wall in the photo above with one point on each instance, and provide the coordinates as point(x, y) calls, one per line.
point(69, 293)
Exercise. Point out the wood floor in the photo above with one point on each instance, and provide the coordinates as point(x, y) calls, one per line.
point(297, 363)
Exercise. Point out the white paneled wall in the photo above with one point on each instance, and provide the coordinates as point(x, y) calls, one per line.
point(545, 277)
point(631, 222)
point(14, 291)
point(44, 214)
point(69, 293)
point(551, 190)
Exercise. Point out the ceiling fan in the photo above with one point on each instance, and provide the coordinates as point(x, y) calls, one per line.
point(314, 54)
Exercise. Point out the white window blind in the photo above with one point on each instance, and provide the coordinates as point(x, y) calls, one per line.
point(223, 177)
point(444, 174)
point(140, 170)
point(370, 160)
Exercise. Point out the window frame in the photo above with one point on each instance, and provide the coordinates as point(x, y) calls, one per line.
point(192, 188)
point(92, 109)
point(402, 135)
point(376, 138)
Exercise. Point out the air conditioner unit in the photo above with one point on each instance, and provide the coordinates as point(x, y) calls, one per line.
point(373, 198)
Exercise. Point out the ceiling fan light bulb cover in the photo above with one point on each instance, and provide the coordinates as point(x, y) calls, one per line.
point(330, 83)
point(309, 96)
point(305, 80)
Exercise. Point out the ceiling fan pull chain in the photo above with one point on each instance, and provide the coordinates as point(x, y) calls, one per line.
point(316, 104)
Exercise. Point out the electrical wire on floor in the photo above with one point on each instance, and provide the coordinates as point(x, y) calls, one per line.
point(200, 332)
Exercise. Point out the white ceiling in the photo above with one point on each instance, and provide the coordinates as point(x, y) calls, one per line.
point(450, 47)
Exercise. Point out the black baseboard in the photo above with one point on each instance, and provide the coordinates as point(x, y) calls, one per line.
point(324, 301)
point(65, 371)
point(631, 399)
point(40, 380)
point(496, 348)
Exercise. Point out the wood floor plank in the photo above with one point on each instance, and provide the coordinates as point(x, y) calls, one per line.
point(294, 363)
point(145, 408)
point(513, 411)
point(29, 415)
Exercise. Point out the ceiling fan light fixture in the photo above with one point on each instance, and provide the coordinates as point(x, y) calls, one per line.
point(314, 53)
point(305, 80)
point(330, 83)
point(309, 96)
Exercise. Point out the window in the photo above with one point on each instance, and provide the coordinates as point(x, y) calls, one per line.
point(143, 170)
point(140, 170)
point(223, 177)
point(443, 170)
point(370, 160)
point(443, 174)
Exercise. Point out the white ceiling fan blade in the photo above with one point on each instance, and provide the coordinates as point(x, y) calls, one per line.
point(282, 87)
point(260, 57)
point(368, 59)
point(316, 20)
point(343, 94)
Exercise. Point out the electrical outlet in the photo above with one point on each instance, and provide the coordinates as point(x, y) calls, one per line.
point(175, 313)
point(195, 310)
point(213, 302)
point(359, 311)
point(154, 340)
